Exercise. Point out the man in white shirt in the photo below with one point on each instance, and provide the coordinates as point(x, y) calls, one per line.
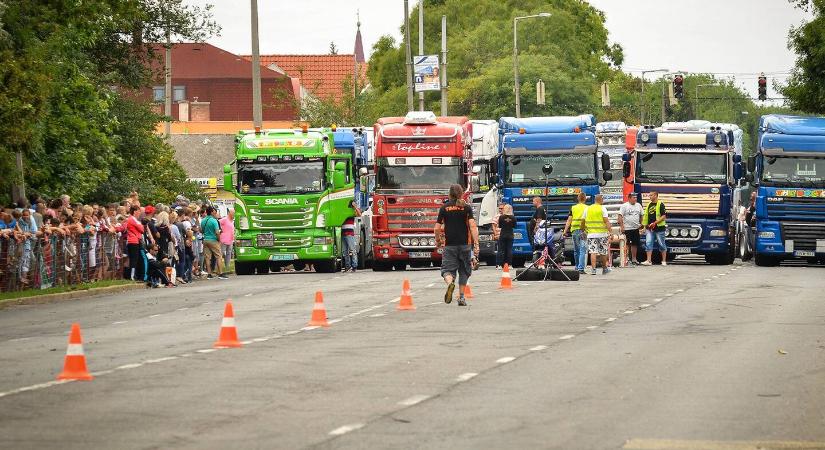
point(630, 221)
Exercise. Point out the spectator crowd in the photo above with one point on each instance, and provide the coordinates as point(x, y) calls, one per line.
point(49, 243)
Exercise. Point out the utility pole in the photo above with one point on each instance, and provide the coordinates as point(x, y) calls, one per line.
point(642, 103)
point(443, 70)
point(410, 95)
point(167, 97)
point(257, 113)
point(515, 57)
point(421, 47)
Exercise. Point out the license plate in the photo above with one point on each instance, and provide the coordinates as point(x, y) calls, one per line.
point(517, 235)
point(283, 257)
point(679, 250)
point(420, 254)
point(266, 240)
point(804, 253)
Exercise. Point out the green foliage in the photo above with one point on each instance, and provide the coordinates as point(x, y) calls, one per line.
point(806, 88)
point(66, 67)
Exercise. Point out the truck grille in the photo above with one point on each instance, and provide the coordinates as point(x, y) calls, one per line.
point(557, 207)
point(804, 235)
point(281, 218)
point(283, 241)
point(687, 203)
point(804, 208)
point(412, 219)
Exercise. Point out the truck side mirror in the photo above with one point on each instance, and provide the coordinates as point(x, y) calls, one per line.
point(475, 185)
point(752, 163)
point(737, 171)
point(626, 169)
point(227, 178)
point(749, 177)
point(339, 176)
point(607, 175)
point(605, 161)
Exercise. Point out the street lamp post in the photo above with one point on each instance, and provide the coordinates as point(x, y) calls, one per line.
point(642, 103)
point(696, 97)
point(515, 57)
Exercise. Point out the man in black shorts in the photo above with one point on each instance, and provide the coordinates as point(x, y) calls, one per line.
point(456, 231)
point(630, 221)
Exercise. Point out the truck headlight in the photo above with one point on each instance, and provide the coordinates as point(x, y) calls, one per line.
point(684, 232)
point(718, 233)
point(324, 240)
point(414, 242)
point(321, 221)
point(405, 241)
point(767, 235)
point(243, 223)
point(432, 242)
point(694, 232)
point(244, 242)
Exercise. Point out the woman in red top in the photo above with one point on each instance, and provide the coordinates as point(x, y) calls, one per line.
point(134, 232)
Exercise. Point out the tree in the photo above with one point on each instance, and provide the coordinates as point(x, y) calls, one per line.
point(333, 50)
point(806, 87)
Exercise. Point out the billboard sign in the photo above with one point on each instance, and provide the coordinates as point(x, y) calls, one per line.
point(427, 76)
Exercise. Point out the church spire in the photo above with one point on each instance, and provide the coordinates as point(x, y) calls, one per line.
point(359, 46)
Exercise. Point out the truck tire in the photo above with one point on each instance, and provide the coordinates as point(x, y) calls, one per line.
point(244, 268)
point(765, 261)
point(262, 268)
point(325, 266)
point(400, 266)
point(299, 266)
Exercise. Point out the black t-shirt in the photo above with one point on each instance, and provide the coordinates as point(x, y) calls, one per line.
point(456, 221)
point(651, 215)
point(506, 223)
point(539, 214)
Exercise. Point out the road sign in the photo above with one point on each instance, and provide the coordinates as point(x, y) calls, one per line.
point(427, 76)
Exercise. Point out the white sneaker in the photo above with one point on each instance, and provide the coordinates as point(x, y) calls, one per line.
point(646, 263)
point(664, 263)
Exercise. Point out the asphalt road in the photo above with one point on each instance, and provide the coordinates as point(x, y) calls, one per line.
point(677, 357)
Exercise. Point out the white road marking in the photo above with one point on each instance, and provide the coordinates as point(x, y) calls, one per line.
point(485, 293)
point(644, 305)
point(157, 360)
point(185, 355)
point(248, 295)
point(309, 328)
point(629, 312)
point(669, 294)
point(183, 309)
point(378, 315)
point(707, 279)
point(723, 274)
point(657, 300)
point(715, 276)
point(207, 350)
point(592, 327)
point(678, 291)
point(434, 303)
point(431, 285)
point(263, 339)
point(119, 322)
point(154, 315)
point(414, 400)
point(505, 360)
point(346, 429)
point(34, 387)
point(610, 319)
point(538, 348)
point(246, 342)
point(102, 372)
point(129, 366)
point(290, 333)
point(466, 376)
point(335, 321)
point(566, 337)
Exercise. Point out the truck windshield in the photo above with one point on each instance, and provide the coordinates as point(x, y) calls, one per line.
point(794, 171)
point(572, 168)
point(681, 167)
point(418, 177)
point(281, 178)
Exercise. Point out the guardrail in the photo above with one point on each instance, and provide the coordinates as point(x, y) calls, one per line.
point(56, 259)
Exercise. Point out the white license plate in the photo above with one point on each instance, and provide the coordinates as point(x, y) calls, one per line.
point(420, 254)
point(283, 257)
point(804, 253)
point(517, 235)
point(679, 250)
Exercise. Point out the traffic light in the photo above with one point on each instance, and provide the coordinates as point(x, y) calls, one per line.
point(763, 87)
point(678, 87)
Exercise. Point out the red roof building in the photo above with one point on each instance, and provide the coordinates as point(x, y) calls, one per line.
point(322, 76)
point(210, 84)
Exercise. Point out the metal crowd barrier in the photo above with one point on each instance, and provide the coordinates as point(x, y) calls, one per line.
point(59, 260)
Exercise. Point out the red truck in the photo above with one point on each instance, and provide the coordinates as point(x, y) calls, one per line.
point(417, 158)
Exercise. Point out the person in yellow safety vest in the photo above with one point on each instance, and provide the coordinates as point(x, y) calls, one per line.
point(654, 221)
point(573, 225)
point(596, 226)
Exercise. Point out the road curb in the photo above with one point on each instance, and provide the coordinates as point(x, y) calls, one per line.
point(60, 296)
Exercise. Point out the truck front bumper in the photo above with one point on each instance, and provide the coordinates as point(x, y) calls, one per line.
point(769, 241)
point(311, 247)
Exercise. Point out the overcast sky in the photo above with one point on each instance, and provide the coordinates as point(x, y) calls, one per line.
point(739, 37)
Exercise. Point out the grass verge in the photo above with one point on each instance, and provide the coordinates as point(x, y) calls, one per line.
point(6, 296)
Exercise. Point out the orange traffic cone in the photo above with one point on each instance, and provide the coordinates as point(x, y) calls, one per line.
point(319, 313)
point(229, 334)
point(406, 302)
point(74, 367)
point(468, 291)
point(506, 281)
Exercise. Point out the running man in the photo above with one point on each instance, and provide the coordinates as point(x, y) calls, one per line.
point(456, 231)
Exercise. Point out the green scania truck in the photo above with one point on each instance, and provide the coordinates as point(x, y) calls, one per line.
point(292, 193)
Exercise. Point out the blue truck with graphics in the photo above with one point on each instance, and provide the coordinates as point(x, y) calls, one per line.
point(354, 141)
point(696, 173)
point(788, 173)
point(527, 146)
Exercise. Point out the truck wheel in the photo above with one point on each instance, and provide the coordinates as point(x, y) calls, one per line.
point(765, 261)
point(244, 268)
point(326, 266)
point(400, 266)
point(262, 268)
point(299, 266)
point(379, 266)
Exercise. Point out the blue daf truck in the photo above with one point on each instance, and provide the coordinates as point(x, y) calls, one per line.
point(554, 158)
point(788, 173)
point(696, 173)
